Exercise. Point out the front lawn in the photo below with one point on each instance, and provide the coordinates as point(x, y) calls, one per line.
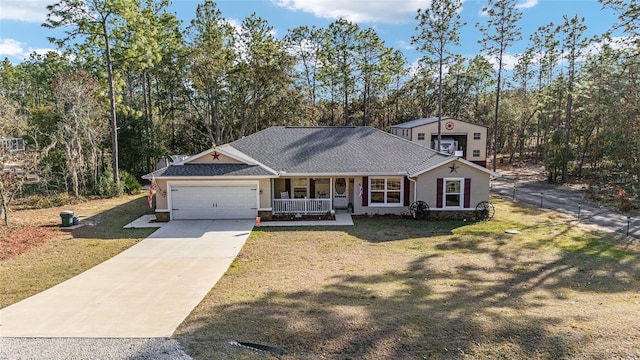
point(402, 289)
point(37, 255)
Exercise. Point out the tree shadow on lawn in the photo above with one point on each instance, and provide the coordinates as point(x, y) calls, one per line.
point(382, 229)
point(519, 308)
point(109, 224)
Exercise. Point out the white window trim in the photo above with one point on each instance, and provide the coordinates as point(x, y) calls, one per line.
point(444, 193)
point(385, 204)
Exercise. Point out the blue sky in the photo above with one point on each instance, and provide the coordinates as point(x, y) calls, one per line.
point(21, 33)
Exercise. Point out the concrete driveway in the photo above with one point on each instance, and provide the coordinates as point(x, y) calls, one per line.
point(146, 291)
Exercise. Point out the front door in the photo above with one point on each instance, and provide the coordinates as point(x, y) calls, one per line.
point(340, 193)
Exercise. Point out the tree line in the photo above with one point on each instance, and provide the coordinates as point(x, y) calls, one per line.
point(132, 84)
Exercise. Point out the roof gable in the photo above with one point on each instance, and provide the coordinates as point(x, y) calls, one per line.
point(220, 161)
point(426, 167)
point(215, 155)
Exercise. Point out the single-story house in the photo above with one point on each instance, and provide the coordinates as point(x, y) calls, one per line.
point(313, 170)
point(468, 139)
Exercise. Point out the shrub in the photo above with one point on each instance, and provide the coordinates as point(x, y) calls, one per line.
point(61, 199)
point(106, 186)
point(38, 202)
point(129, 183)
point(624, 201)
point(47, 201)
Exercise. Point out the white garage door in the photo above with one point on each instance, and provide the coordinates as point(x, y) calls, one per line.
point(214, 202)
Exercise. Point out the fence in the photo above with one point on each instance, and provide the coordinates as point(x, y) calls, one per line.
point(567, 201)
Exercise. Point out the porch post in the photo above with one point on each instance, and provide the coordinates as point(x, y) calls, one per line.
point(331, 193)
point(273, 188)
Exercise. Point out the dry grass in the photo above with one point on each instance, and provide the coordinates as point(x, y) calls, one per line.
point(401, 289)
point(50, 260)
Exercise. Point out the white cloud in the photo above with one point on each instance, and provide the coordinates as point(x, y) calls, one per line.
point(24, 10)
point(527, 4)
point(14, 49)
point(40, 51)
point(616, 43)
point(10, 47)
point(405, 45)
point(358, 11)
point(508, 61)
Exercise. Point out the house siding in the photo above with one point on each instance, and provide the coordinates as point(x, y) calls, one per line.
point(161, 194)
point(427, 184)
point(209, 159)
point(359, 207)
point(264, 186)
point(460, 128)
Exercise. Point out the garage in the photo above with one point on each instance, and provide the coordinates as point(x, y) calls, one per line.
point(214, 202)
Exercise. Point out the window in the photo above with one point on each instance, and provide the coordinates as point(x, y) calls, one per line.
point(476, 153)
point(476, 136)
point(453, 193)
point(300, 188)
point(420, 136)
point(385, 191)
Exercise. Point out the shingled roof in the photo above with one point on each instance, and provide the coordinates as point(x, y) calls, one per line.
point(204, 170)
point(335, 150)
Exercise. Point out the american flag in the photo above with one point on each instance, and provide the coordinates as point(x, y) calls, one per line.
point(152, 190)
point(360, 194)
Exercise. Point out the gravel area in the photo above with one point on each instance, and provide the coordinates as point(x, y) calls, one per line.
point(90, 348)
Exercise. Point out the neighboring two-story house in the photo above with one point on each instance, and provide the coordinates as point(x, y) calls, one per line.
point(458, 137)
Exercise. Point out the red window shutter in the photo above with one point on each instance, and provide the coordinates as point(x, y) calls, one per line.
point(365, 191)
point(439, 189)
point(287, 185)
point(467, 193)
point(312, 189)
point(407, 185)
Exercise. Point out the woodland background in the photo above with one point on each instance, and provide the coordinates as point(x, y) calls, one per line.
point(571, 103)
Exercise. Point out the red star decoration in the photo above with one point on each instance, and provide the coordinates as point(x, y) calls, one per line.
point(215, 155)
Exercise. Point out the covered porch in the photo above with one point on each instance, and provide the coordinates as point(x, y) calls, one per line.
point(311, 195)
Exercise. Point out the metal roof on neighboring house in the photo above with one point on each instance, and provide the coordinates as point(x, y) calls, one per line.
point(424, 121)
point(335, 150)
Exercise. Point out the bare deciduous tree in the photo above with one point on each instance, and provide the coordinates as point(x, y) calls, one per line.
point(79, 128)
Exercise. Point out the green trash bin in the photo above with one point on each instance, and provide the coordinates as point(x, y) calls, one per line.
point(67, 218)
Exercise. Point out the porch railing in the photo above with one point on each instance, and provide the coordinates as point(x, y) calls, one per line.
point(301, 206)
